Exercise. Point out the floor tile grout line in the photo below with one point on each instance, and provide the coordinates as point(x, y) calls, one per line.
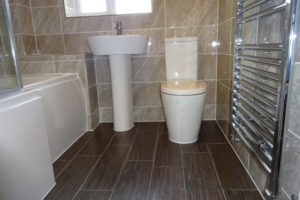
point(125, 161)
point(240, 189)
point(183, 173)
point(75, 155)
point(216, 172)
point(154, 156)
point(93, 167)
point(195, 152)
point(94, 190)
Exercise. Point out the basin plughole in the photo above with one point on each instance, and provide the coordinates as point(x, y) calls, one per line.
point(119, 49)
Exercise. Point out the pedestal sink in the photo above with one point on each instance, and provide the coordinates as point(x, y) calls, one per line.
point(119, 49)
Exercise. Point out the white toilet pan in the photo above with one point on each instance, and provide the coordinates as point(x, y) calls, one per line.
point(183, 103)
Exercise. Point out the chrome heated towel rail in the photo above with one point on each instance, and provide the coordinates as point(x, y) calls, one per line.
point(260, 79)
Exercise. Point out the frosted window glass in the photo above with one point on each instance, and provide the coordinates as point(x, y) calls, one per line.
point(132, 6)
point(75, 8)
point(92, 6)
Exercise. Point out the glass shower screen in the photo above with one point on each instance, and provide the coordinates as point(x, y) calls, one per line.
point(9, 73)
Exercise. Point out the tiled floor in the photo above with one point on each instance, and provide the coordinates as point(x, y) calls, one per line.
point(143, 164)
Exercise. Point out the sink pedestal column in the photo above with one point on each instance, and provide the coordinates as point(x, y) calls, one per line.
point(120, 68)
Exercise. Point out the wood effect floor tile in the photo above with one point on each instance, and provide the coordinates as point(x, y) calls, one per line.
point(75, 148)
point(167, 153)
point(93, 195)
point(105, 174)
point(72, 178)
point(99, 140)
point(162, 127)
point(167, 183)
point(229, 168)
point(242, 194)
point(200, 178)
point(58, 167)
point(134, 181)
point(124, 138)
point(211, 133)
point(143, 146)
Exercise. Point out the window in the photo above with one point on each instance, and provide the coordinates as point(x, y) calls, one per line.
point(76, 8)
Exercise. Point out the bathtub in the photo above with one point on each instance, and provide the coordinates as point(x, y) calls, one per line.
point(37, 124)
point(64, 108)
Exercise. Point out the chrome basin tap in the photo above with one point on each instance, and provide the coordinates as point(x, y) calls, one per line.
point(118, 26)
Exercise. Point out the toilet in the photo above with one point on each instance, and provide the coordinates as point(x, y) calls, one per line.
point(183, 96)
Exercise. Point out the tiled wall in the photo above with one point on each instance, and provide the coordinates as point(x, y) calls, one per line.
point(170, 18)
point(55, 64)
point(51, 33)
point(290, 164)
point(226, 32)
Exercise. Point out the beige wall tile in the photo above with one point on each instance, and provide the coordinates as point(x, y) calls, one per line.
point(93, 100)
point(85, 24)
point(47, 20)
point(22, 2)
point(227, 10)
point(77, 43)
point(147, 69)
point(46, 67)
point(206, 35)
point(148, 114)
point(37, 3)
point(211, 92)
point(106, 114)
point(102, 71)
point(191, 12)
point(35, 58)
point(104, 95)
point(156, 36)
point(73, 57)
point(19, 44)
point(249, 33)
point(21, 19)
point(207, 66)
point(222, 102)
point(90, 72)
point(225, 37)
point(2, 72)
point(232, 36)
point(146, 94)
point(95, 119)
point(73, 67)
point(209, 112)
point(224, 125)
point(224, 64)
point(50, 44)
point(156, 19)
point(270, 29)
point(29, 44)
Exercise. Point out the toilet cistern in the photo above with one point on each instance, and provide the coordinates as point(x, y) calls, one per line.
point(183, 95)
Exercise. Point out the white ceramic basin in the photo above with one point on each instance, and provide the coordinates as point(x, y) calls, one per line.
point(118, 44)
point(119, 49)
